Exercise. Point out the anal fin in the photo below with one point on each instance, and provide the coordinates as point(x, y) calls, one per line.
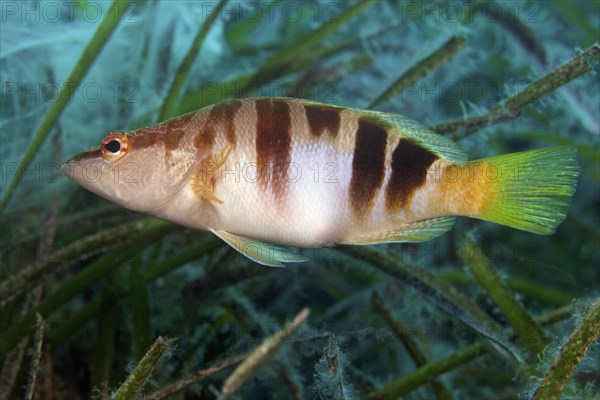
point(413, 232)
point(263, 253)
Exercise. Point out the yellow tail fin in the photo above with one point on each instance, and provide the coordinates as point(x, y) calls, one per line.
point(530, 190)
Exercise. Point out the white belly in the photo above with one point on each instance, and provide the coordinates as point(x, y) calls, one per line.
point(312, 213)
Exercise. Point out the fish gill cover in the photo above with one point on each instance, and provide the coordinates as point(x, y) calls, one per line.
point(100, 302)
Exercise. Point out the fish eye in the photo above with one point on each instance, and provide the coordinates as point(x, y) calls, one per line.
point(114, 146)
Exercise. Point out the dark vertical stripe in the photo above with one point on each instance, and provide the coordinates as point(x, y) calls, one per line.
point(221, 117)
point(273, 144)
point(321, 118)
point(206, 135)
point(144, 138)
point(410, 163)
point(368, 165)
point(175, 131)
point(226, 112)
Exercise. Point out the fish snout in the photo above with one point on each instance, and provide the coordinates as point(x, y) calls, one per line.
point(84, 167)
point(66, 170)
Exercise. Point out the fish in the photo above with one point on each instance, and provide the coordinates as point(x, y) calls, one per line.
point(271, 175)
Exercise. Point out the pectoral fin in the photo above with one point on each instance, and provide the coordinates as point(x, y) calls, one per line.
point(202, 180)
point(263, 253)
point(414, 232)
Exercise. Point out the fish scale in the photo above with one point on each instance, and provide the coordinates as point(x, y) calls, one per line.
point(265, 173)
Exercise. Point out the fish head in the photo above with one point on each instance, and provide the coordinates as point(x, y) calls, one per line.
point(127, 170)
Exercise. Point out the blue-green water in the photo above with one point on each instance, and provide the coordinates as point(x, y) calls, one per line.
point(105, 299)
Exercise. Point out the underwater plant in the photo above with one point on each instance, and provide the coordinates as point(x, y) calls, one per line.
point(100, 302)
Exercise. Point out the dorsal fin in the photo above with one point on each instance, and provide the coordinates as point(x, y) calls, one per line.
point(441, 146)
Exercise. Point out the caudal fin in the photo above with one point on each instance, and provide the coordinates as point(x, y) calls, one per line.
point(532, 189)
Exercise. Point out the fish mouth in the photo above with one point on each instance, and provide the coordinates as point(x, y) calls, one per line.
point(90, 171)
point(67, 169)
